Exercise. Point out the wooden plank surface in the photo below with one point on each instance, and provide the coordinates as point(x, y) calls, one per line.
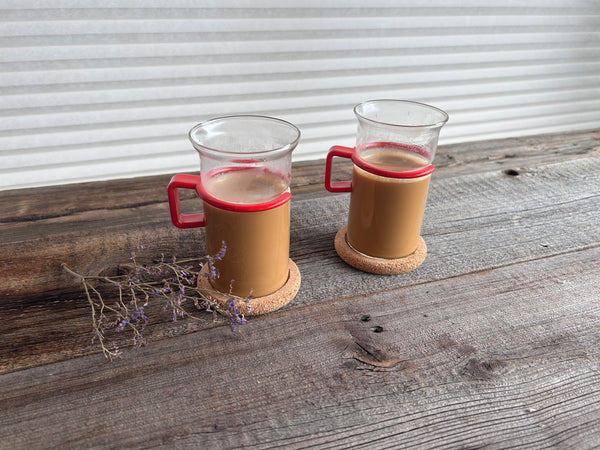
point(90, 226)
point(505, 357)
point(476, 219)
point(493, 341)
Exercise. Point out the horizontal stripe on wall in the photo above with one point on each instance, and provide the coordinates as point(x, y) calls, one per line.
point(97, 90)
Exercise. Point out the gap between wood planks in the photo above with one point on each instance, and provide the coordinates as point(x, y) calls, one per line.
point(523, 372)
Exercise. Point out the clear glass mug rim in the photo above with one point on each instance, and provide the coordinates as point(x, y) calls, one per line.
point(438, 124)
point(256, 154)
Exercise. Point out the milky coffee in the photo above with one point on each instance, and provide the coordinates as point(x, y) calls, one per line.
point(386, 213)
point(256, 262)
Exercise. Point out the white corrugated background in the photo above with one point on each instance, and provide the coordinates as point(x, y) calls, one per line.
point(106, 89)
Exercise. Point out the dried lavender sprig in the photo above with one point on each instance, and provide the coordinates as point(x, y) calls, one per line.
point(173, 283)
point(213, 272)
point(99, 318)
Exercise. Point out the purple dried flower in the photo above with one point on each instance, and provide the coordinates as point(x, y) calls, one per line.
point(249, 303)
point(235, 316)
point(222, 251)
point(213, 272)
point(122, 324)
point(141, 285)
point(138, 314)
point(163, 291)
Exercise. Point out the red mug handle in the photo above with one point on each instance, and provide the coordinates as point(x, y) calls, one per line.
point(183, 181)
point(337, 186)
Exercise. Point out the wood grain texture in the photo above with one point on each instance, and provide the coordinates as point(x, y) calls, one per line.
point(91, 225)
point(492, 342)
point(473, 222)
point(505, 357)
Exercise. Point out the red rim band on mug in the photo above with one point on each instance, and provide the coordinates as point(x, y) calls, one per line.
point(241, 207)
point(184, 181)
point(353, 154)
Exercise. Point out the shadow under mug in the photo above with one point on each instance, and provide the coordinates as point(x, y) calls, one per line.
point(386, 206)
point(256, 236)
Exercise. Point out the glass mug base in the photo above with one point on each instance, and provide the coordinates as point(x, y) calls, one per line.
point(380, 266)
point(364, 254)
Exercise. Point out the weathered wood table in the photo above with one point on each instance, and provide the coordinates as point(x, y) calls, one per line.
point(493, 341)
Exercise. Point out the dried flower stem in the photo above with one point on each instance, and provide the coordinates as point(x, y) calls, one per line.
point(171, 284)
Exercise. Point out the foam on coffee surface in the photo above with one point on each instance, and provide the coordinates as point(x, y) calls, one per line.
point(245, 186)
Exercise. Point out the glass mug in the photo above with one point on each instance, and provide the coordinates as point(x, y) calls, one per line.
point(244, 182)
point(395, 147)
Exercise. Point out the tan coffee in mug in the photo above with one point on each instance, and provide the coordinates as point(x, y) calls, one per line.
point(386, 214)
point(256, 262)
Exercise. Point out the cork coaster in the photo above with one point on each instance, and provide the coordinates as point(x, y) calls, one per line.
point(258, 305)
point(379, 266)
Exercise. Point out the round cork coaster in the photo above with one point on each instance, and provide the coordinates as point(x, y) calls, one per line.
point(257, 305)
point(379, 266)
